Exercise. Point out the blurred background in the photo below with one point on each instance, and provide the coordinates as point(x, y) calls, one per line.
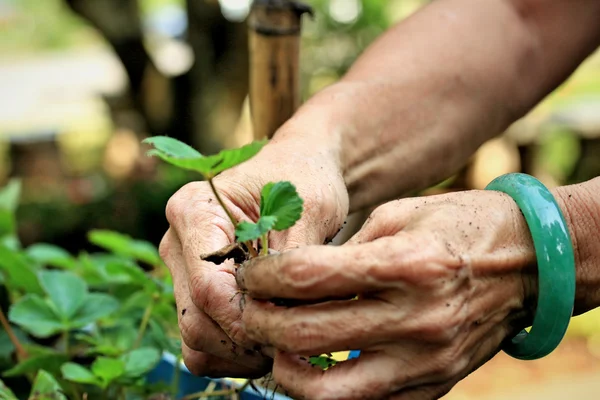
point(83, 81)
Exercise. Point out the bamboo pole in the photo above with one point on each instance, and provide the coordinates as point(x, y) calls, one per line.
point(274, 41)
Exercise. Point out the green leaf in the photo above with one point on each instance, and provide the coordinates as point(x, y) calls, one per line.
point(35, 316)
point(250, 231)
point(45, 387)
point(172, 147)
point(66, 290)
point(281, 200)
point(183, 156)
point(50, 255)
point(77, 373)
point(49, 362)
point(123, 272)
point(11, 242)
point(8, 223)
point(20, 272)
point(323, 362)
point(108, 369)
point(140, 361)
point(96, 306)
point(10, 194)
point(124, 245)
point(6, 393)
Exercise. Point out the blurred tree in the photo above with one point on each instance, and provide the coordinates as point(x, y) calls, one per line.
point(183, 110)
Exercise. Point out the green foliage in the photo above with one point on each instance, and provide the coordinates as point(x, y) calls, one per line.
point(280, 208)
point(120, 244)
point(107, 370)
point(323, 362)
point(6, 393)
point(68, 305)
point(50, 361)
point(19, 272)
point(45, 387)
point(246, 231)
point(183, 156)
point(66, 291)
point(50, 255)
point(281, 201)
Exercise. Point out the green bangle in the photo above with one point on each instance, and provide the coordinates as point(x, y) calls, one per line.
point(555, 261)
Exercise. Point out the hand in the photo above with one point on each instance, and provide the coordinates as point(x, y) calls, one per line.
point(214, 342)
point(441, 282)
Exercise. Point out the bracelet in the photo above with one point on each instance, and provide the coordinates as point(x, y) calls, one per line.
point(555, 261)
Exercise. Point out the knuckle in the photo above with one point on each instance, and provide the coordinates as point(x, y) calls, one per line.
point(450, 364)
point(177, 203)
point(191, 335)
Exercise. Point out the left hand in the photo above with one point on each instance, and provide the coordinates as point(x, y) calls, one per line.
point(441, 281)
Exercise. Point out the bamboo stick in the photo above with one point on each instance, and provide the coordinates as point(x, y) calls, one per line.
point(274, 41)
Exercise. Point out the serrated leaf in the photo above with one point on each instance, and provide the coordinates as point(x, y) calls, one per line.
point(50, 362)
point(6, 393)
point(281, 200)
point(10, 194)
point(140, 361)
point(66, 290)
point(245, 231)
point(35, 316)
point(76, 373)
point(96, 306)
point(20, 272)
point(124, 245)
point(50, 255)
point(172, 147)
point(108, 369)
point(209, 166)
point(45, 387)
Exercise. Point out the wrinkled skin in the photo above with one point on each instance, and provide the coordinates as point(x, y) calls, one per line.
point(441, 282)
point(214, 342)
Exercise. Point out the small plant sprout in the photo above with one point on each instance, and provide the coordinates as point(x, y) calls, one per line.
point(280, 204)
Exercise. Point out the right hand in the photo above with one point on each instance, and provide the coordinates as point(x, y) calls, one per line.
point(214, 341)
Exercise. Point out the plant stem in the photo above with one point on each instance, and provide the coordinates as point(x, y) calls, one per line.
point(220, 200)
point(21, 352)
point(144, 324)
point(234, 221)
point(264, 239)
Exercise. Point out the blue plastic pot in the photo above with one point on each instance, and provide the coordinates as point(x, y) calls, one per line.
point(188, 383)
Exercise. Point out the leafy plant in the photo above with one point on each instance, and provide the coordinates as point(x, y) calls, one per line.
point(280, 204)
point(87, 325)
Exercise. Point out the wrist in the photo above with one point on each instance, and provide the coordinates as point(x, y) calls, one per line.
point(580, 205)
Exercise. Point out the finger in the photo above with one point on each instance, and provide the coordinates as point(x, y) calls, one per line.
point(373, 375)
point(317, 272)
point(308, 329)
point(203, 228)
point(198, 331)
point(204, 364)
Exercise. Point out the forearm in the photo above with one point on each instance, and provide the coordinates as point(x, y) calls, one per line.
point(581, 207)
point(423, 98)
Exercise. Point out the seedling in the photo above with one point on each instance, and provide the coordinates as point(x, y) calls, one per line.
point(280, 204)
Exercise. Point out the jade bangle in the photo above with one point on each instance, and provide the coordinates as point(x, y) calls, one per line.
point(555, 262)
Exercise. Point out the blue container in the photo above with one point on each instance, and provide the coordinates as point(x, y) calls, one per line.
point(188, 383)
